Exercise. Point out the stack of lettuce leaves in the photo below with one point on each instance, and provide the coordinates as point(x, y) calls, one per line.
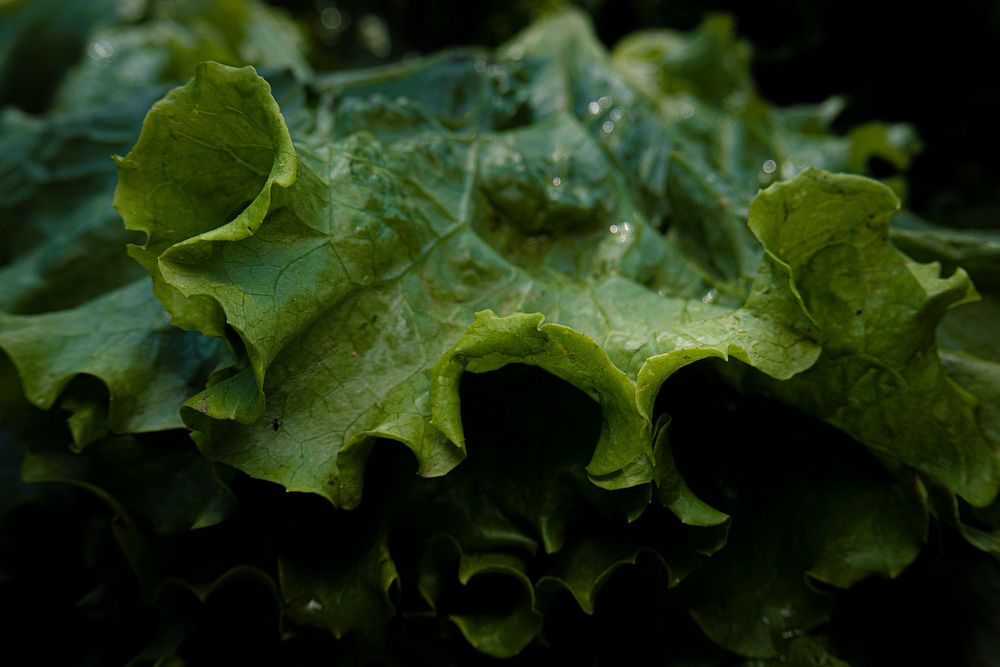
point(541, 353)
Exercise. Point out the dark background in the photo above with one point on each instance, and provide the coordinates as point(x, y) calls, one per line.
point(933, 65)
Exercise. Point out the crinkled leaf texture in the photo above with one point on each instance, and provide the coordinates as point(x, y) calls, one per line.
point(351, 268)
point(340, 256)
point(124, 338)
point(501, 634)
point(880, 377)
point(550, 206)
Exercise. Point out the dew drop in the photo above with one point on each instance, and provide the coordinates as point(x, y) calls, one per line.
point(594, 107)
point(710, 296)
point(622, 232)
point(314, 605)
point(556, 181)
point(617, 113)
point(608, 127)
point(769, 166)
point(102, 50)
point(687, 110)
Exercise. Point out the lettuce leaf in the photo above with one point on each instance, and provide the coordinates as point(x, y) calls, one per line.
point(296, 262)
point(342, 263)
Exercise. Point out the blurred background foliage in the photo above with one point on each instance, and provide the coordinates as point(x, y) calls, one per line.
point(924, 64)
